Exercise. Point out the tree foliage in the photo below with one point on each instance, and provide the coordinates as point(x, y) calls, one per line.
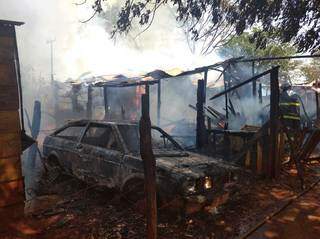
point(215, 21)
point(312, 70)
point(244, 46)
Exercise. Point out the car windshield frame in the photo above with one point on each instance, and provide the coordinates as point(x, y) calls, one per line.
point(131, 149)
point(103, 125)
point(83, 125)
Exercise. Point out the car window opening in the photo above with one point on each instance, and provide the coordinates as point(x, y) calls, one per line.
point(130, 134)
point(71, 133)
point(101, 136)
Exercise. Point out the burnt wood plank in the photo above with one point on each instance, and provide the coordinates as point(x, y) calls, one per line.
point(7, 49)
point(10, 145)
point(7, 74)
point(10, 169)
point(9, 122)
point(9, 98)
point(149, 163)
point(11, 192)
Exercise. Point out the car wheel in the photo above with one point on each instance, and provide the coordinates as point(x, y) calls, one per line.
point(54, 169)
point(133, 191)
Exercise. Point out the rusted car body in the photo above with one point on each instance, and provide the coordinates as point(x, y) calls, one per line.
point(107, 154)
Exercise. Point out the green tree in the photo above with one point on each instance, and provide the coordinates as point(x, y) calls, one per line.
point(244, 46)
point(311, 71)
point(215, 21)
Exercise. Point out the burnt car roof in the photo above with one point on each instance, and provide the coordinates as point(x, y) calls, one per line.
point(85, 121)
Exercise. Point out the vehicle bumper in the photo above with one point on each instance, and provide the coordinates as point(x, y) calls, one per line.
point(208, 201)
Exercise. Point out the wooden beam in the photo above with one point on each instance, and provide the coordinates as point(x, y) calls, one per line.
point(317, 102)
point(89, 102)
point(254, 83)
point(277, 58)
point(205, 78)
point(226, 86)
point(274, 166)
point(106, 104)
point(159, 104)
point(242, 83)
point(200, 130)
point(260, 93)
point(149, 163)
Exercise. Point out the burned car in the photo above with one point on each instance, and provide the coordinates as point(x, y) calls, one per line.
point(107, 154)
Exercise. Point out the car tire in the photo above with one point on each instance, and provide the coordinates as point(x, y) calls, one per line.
point(133, 191)
point(53, 168)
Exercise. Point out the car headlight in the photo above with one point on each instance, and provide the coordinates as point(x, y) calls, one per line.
point(190, 187)
point(208, 183)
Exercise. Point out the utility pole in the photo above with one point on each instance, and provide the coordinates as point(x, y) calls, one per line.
point(53, 85)
point(51, 51)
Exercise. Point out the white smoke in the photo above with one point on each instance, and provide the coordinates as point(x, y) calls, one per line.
point(86, 47)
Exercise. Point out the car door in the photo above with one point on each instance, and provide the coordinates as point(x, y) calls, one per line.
point(100, 155)
point(66, 142)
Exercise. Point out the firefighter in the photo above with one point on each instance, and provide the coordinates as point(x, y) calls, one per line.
point(289, 108)
point(289, 105)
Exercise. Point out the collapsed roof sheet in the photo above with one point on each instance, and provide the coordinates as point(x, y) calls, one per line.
point(148, 78)
point(127, 80)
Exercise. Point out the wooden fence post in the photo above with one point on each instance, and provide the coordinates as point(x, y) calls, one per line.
point(149, 163)
point(274, 166)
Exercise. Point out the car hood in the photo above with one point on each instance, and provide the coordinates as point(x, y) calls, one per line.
point(194, 165)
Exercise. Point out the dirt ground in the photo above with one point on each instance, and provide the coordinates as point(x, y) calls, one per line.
point(74, 210)
point(300, 220)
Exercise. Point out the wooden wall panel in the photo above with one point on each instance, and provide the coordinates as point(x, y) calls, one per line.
point(10, 145)
point(9, 122)
point(10, 169)
point(11, 180)
point(7, 74)
point(9, 98)
point(11, 192)
point(6, 49)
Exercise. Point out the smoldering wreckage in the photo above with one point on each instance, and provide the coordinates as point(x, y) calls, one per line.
point(196, 163)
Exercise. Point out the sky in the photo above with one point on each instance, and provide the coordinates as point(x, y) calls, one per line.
point(87, 47)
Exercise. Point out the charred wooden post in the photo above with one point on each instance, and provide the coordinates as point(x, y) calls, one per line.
point(106, 104)
point(205, 78)
point(317, 105)
point(260, 93)
point(274, 162)
point(149, 163)
point(74, 98)
point(254, 83)
point(200, 131)
point(226, 99)
point(209, 123)
point(317, 101)
point(147, 89)
point(159, 103)
point(89, 102)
